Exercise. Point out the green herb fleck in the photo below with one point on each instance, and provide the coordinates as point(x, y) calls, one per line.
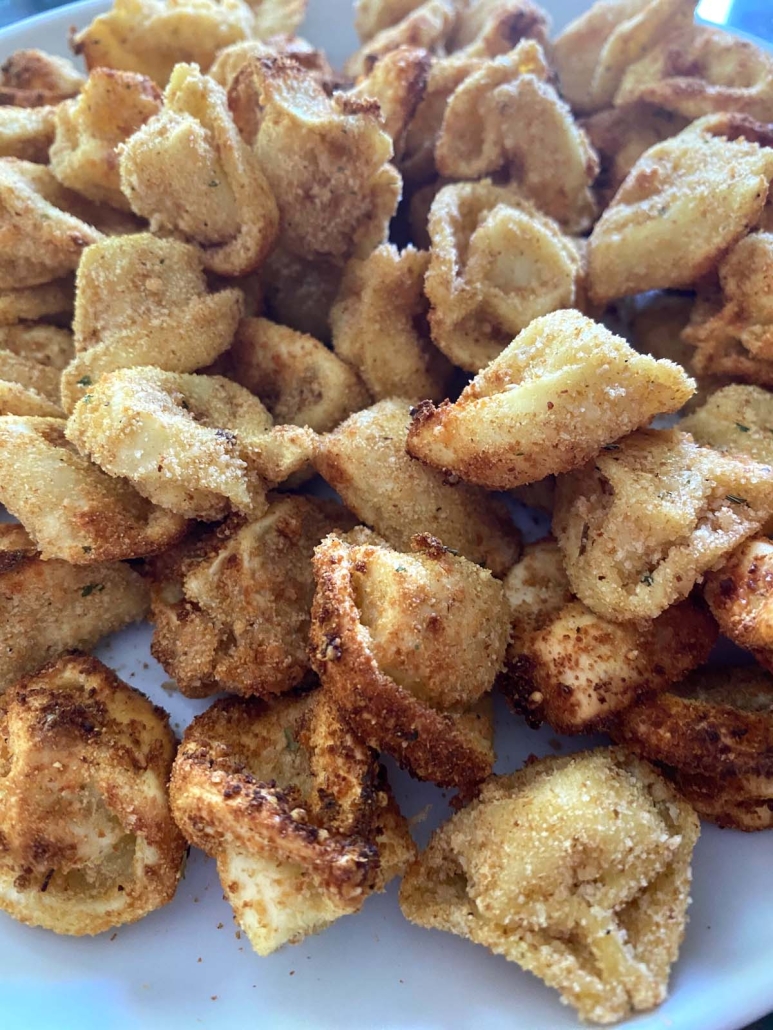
point(647, 579)
point(743, 429)
point(292, 743)
point(84, 381)
point(400, 568)
point(90, 588)
point(86, 398)
point(736, 500)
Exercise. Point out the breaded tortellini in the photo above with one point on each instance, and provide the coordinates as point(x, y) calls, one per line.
point(201, 446)
point(575, 670)
point(379, 325)
point(732, 329)
point(231, 606)
point(564, 388)
point(142, 300)
point(700, 70)
point(27, 387)
point(151, 36)
point(683, 205)
point(34, 78)
point(190, 173)
point(364, 460)
point(717, 723)
point(111, 106)
point(408, 645)
point(87, 840)
point(640, 525)
point(593, 53)
point(295, 809)
point(427, 25)
point(740, 595)
point(50, 302)
point(506, 118)
point(735, 420)
point(496, 263)
point(729, 801)
point(398, 82)
point(327, 160)
point(49, 607)
point(373, 16)
point(45, 344)
point(70, 508)
point(40, 238)
point(27, 132)
point(578, 869)
point(298, 379)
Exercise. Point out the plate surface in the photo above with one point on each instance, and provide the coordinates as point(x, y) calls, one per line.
point(187, 966)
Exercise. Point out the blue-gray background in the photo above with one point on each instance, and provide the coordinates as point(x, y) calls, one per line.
point(752, 16)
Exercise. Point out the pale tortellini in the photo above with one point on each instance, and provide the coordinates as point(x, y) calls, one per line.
point(496, 264)
point(190, 173)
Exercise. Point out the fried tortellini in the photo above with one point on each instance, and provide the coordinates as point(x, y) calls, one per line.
point(713, 733)
point(398, 81)
point(379, 325)
point(40, 238)
point(89, 129)
point(295, 809)
point(34, 78)
point(496, 263)
point(50, 302)
point(564, 388)
point(31, 361)
point(364, 460)
point(70, 508)
point(49, 607)
point(200, 446)
point(574, 669)
point(408, 645)
point(640, 525)
point(45, 344)
point(231, 606)
point(427, 25)
point(298, 379)
point(732, 329)
point(190, 173)
point(507, 117)
point(151, 36)
point(735, 420)
point(683, 205)
point(142, 300)
point(578, 869)
point(27, 132)
point(594, 52)
point(88, 840)
point(700, 70)
point(740, 595)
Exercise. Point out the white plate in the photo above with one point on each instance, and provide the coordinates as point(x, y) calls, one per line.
point(185, 965)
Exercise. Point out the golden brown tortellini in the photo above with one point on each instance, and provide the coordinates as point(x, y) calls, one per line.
point(27, 132)
point(379, 325)
point(732, 329)
point(496, 263)
point(89, 129)
point(48, 345)
point(40, 237)
point(34, 78)
point(70, 508)
point(683, 205)
point(740, 595)
point(49, 607)
point(143, 300)
point(427, 25)
point(593, 53)
point(28, 387)
point(563, 389)
point(295, 809)
point(52, 302)
point(364, 459)
point(700, 70)
point(578, 869)
point(299, 380)
point(231, 606)
point(640, 525)
point(506, 118)
point(151, 36)
point(201, 446)
point(190, 173)
point(88, 840)
point(576, 670)
point(735, 420)
point(385, 633)
point(398, 82)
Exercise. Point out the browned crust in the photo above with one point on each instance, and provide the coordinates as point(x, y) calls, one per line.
point(712, 801)
point(703, 734)
point(432, 745)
